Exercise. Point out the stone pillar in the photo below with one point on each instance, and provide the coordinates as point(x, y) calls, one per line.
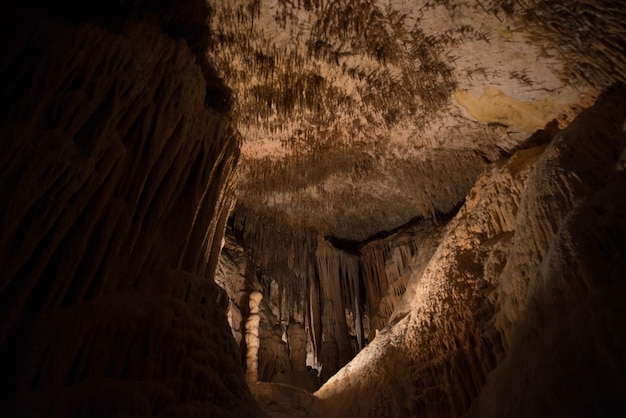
point(252, 337)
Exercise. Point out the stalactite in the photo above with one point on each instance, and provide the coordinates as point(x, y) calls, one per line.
point(333, 268)
point(315, 318)
point(348, 295)
point(384, 270)
point(285, 256)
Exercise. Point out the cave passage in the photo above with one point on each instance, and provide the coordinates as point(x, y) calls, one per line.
point(373, 208)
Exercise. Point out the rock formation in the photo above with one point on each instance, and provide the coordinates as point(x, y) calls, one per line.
point(116, 180)
point(252, 338)
point(361, 117)
point(417, 205)
point(518, 312)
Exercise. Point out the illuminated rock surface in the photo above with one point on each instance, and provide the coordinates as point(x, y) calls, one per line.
point(519, 294)
point(364, 127)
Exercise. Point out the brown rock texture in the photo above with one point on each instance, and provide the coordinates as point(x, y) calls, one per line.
point(398, 104)
point(116, 178)
point(414, 183)
point(361, 118)
point(286, 401)
point(521, 305)
point(349, 293)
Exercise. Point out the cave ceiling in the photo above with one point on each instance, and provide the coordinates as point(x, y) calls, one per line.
point(358, 116)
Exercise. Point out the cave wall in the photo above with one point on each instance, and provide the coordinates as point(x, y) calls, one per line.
point(116, 179)
point(519, 312)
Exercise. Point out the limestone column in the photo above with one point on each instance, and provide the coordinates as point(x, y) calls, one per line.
point(252, 337)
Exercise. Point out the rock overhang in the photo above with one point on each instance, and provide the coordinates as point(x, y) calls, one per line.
point(358, 116)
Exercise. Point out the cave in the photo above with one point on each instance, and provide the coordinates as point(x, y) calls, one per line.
point(313, 208)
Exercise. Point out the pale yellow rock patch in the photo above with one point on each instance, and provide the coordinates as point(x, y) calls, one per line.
point(495, 106)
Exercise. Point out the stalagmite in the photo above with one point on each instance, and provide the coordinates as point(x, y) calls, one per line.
point(252, 337)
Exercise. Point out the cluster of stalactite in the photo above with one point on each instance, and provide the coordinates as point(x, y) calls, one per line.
point(272, 83)
point(340, 292)
point(264, 178)
point(346, 60)
point(354, 27)
point(585, 34)
point(306, 190)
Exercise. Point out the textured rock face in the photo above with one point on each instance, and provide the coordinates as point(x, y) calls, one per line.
point(116, 178)
point(365, 124)
point(398, 103)
point(359, 118)
point(521, 305)
point(347, 297)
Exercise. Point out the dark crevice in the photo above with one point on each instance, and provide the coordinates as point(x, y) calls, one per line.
point(354, 246)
